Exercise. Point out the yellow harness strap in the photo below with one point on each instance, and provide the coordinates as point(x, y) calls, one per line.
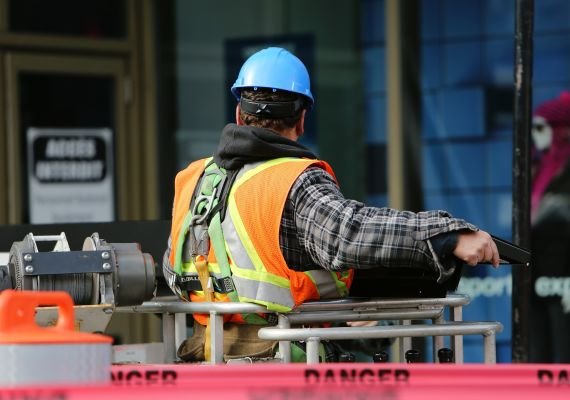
point(206, 282)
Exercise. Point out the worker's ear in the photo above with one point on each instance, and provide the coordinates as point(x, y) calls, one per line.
point(238, 119)
point(300, 125)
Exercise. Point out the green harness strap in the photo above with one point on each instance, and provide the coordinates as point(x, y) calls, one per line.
point(207, 201)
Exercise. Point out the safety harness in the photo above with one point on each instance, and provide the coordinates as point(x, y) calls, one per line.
point(204, 229)
point(205, 223)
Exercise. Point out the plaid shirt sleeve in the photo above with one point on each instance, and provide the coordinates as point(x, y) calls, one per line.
point(340, 233)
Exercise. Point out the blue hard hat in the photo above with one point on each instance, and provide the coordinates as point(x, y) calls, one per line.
point(274, 68)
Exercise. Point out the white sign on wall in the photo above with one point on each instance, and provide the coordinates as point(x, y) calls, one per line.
point(70, 175)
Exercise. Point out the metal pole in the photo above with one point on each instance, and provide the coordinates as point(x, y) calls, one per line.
point(312, 352)
point(490, 348)
point(394, 115)
point(168, 337)
point(284, 345)
point(524, 12)
point(403, 104)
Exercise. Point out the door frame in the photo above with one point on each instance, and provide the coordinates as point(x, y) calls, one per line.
point(17, 63)
point(136, 135)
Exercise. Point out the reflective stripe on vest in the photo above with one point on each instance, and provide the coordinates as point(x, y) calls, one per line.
point(250, 283)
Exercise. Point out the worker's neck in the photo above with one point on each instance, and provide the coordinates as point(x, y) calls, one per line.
point(290, 134)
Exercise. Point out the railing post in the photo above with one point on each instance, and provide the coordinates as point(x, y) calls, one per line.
point(313, 350)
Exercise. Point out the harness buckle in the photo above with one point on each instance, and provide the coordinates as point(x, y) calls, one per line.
point(206, 201)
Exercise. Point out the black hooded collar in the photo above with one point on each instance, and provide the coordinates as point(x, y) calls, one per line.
point(240, 145)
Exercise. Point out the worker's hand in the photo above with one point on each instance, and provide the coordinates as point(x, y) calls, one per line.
point(362, 323)
point(476, 247)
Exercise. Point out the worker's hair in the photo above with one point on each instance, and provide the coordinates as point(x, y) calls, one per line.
point(263, 94)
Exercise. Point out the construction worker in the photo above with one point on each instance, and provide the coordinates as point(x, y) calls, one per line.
point(264, 220)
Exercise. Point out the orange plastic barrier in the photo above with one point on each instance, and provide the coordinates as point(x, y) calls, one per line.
point(34, 355)
point(324, 381)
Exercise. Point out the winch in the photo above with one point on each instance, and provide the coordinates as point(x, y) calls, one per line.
point(101, 273)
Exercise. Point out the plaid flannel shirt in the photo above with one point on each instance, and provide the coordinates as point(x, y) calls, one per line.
point(322, 229)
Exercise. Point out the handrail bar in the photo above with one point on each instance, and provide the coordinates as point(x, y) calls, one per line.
point(313, 336)
point(452, 300)
point(374, 315)
point(179, 306)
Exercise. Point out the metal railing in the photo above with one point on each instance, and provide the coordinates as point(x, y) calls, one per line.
point(174, 327)
point(363, 308)
point(313, 336)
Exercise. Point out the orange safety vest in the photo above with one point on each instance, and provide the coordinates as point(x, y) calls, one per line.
point(251, 233)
